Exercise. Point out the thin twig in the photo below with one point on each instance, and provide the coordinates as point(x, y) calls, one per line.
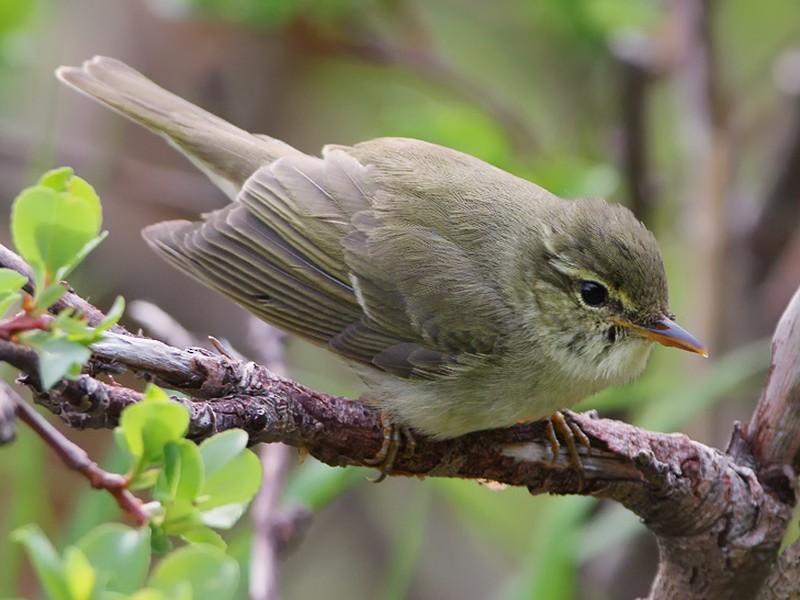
point(76, 457)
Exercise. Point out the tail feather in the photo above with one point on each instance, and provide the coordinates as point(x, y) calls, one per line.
point(224, 152)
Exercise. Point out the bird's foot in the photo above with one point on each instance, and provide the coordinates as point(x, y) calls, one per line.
point(571, 435)
point(394, 437)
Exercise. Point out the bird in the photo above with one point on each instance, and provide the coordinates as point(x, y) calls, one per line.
point(465, 297)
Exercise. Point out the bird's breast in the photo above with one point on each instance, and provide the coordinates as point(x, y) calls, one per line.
point(485, 395)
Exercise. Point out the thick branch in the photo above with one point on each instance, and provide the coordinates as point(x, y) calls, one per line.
point(706, 509)
point(772, 432)
point(718, 525)
point(784, 581)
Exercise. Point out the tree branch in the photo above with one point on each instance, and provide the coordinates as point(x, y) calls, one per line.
point(76, 457)
point(784, 581)
point(772, 431)
point(718, 517)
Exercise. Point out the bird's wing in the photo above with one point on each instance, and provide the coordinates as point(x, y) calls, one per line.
point(375, 251)
point(322, 248)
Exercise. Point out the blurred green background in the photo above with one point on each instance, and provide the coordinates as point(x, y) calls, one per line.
point(687, 111)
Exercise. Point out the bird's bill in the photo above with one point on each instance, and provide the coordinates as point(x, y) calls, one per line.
point(667, 332)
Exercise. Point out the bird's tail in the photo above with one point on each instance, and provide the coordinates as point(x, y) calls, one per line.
point(227, 154)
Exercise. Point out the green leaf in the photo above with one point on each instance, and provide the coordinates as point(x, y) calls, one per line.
point(159, 542)
point(204, 535)
point(192, 477)
point(74, 326)
point(50, 295)
point(80, 188)
point(220, 449)
point(11, 281)
point(50, 228)
point(81, 576)
point(45, 561)
point(182, 475)
point(182, 590)
point(239, 481)
point(66, 269)
point(120, 552)
point(209, 572)
point(55, 223)
point(57, 179)
point(112, 316)
point(233, 477)
point(58, 357)
point(180, 516)
point(223, 517)
point(64, 180)
point(145, 594)
point(145, 479)
point(155, 393)
point(151, 424)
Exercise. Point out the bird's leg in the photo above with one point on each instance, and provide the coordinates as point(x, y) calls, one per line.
point(571, 435)
point(394, 436)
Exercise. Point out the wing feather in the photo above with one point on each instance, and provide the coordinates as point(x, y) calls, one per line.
point(322, 248)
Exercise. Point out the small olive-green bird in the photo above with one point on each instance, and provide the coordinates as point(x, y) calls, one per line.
point(467, 298)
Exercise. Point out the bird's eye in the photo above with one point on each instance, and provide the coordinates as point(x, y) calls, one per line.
point(593, 293)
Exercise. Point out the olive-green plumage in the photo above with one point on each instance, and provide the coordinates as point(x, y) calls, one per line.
point(459, 291)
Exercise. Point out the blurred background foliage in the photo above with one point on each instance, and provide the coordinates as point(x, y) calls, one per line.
point(686, 110)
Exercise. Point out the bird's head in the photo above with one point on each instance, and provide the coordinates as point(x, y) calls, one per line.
point(601, 293)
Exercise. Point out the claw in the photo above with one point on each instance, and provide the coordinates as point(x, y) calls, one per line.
point(570, 433)
point(553, 439)
point(394, 437)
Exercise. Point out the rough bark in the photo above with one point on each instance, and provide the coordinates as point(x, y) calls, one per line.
point(719, 517)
